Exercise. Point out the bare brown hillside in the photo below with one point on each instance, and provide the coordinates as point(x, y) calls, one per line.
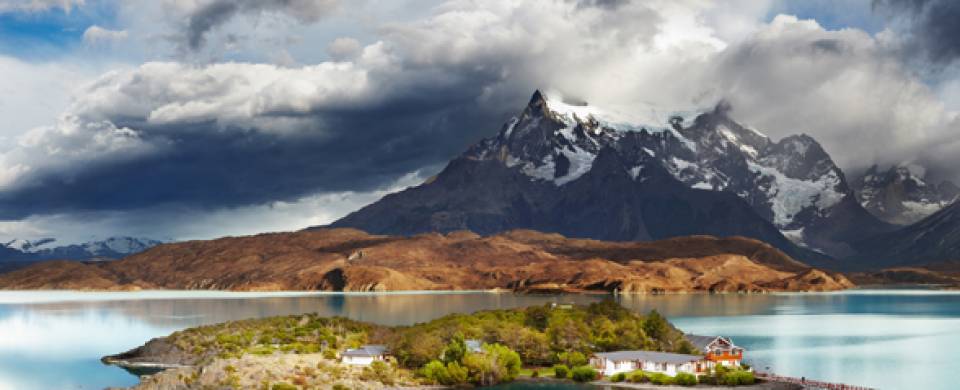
point(351, 260)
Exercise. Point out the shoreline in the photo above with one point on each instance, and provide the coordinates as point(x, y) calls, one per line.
point(241, 294)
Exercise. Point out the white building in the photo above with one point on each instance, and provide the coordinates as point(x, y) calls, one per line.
point(365, 355)
point(611, 363)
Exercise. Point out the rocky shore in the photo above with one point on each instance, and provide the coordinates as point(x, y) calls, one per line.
point(284, 371)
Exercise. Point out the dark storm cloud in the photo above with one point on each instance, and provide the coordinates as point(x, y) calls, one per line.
point(205, 167)
point(206, 16)
point(933, 27)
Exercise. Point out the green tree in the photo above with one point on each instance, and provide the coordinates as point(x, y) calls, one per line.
point(456, 349)
point(456, 374)
point(495, 364)
point(537, 317)
point(434, 371)
point(684, 346)
point(568, 334)
point(572, 359)
point(656, 327)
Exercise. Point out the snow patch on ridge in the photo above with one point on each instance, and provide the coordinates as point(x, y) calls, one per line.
point(790, 196)
point(580, 163)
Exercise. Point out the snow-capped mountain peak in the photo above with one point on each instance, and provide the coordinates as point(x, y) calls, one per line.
point(903, 193)
point(112, 247)
point(792, 182)
point(28, 246)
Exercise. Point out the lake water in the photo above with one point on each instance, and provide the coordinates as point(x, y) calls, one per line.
point(894, 339)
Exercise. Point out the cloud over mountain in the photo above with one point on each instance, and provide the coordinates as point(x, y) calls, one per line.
point(416, 91)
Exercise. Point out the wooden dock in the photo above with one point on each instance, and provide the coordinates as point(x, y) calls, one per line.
point(809, 383)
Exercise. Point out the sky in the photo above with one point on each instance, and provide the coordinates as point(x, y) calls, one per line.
point(193, 119)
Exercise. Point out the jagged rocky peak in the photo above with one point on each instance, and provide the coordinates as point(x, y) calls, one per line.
point(557, 140)
point(549, 152)
point(904, 193)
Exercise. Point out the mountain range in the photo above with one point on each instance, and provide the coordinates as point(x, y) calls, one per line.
point(590, 173)
point(19, 252)
point(584, 172)
point(903, 194)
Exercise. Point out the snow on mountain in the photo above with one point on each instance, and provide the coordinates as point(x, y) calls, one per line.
point(113, 247)
point(28, 246)
point(903, 194)
point(792, 183)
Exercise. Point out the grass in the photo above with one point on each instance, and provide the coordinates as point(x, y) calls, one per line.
point(545, 372)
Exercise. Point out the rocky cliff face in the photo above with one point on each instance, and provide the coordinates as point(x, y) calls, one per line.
point(903, 194)
point(585, 172)
point(351, 260)
point(935, 239)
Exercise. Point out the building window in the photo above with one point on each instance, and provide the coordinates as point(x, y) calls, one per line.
point(718, 353)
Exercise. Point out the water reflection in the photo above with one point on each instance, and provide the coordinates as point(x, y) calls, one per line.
point(53, 340)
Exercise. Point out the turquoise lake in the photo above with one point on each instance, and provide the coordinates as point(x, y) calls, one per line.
point(888, 339)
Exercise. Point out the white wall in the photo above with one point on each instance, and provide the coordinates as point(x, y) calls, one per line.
point(358, 360)
point(613, 368)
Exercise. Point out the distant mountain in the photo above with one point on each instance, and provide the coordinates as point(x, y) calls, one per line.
point(585, 172)
point(902, 194)
point(935, 239)
point(19, 252)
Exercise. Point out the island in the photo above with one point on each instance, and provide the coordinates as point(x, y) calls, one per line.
point(600, 341)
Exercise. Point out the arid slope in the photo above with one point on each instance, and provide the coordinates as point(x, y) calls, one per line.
point(351, 260)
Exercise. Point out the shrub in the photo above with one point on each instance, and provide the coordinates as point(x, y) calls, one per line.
point(456, 373)
point(450, 374)
point(618, 377)
point(433, 371)
point(497, 363)
point(736, 378)
point(707, 379)
point(283, 386)
point(330, 354)
point(637, 377)
point(381, 372)
point(340, 386)
point(561, 371)
point(583, 374)
point(660, 379)
point(685, 379)
point(535, 373)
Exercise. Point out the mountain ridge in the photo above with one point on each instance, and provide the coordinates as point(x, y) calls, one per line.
point(788, 193)
point(522, 260)
point(903, 194)
point(18, 253)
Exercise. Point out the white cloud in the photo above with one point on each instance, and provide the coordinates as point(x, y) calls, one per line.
point(846, 88)
point(96, 35)
point(38, 5)
point(34, 94)
point(344, 48)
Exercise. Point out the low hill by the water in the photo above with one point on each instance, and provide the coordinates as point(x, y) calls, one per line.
point(351, 260)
